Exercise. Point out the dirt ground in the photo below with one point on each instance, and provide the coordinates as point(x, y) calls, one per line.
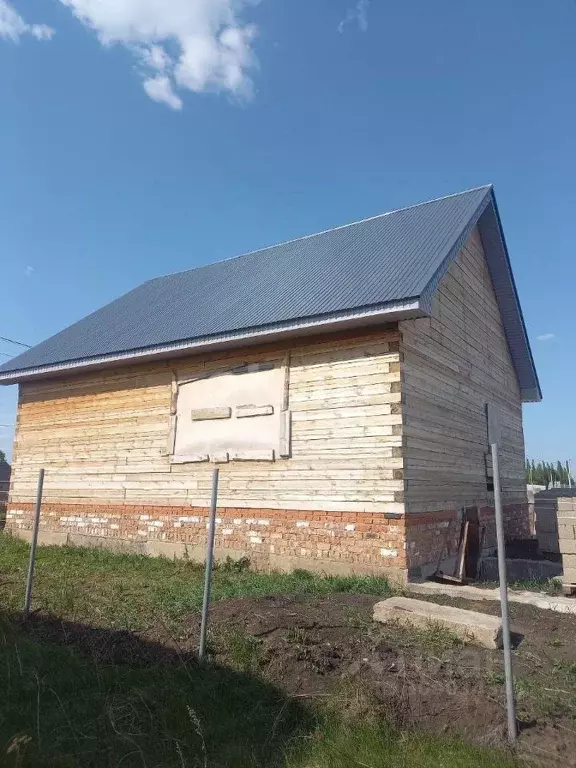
point(312, 647)
point(329, 648)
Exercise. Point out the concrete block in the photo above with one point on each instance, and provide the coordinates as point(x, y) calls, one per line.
point(567, 546)
point(45, 538)
point(171, 550)
point(569, 576)
point(546, 521)
point(569, 562)
point(537, 599)
point(566, 530)
point(23, 534)
point(471, 626)
point(105, 542)
point(52, 538)
point(548, 542)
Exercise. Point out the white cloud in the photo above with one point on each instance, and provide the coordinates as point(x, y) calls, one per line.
point(28, 271)
point(546, 336)
point(358, 14)
point(199, 45)
point(160, 89)
point(13, 26)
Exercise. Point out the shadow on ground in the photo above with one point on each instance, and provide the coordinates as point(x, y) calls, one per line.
point(76, 695)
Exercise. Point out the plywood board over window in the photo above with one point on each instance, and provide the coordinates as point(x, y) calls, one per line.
point(235, 415)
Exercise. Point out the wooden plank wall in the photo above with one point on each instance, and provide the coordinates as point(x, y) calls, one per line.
point(453, 363)
point(102, 437)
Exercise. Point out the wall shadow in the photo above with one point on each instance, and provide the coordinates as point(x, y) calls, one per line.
point(75, 695)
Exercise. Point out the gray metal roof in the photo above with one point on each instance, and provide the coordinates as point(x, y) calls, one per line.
point(388, 265)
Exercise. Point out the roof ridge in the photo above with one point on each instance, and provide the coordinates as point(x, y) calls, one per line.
point(322, 232)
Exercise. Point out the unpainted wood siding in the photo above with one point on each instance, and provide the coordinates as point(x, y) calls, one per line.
point(103, 437)
point(454, 363)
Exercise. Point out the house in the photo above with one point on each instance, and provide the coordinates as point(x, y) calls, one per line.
point(340, 382)
point(4, 481)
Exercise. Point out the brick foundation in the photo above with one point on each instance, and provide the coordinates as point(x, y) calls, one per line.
point(336, 542)
point(427, 534)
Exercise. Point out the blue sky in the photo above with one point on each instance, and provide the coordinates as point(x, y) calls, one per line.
point(140, 138)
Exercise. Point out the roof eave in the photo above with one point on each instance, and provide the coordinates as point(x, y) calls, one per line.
point(497, 255)
point(358, 318)
point(487, 219)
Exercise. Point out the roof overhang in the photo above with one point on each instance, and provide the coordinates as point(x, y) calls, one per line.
point(487, 219)
point(359, 318)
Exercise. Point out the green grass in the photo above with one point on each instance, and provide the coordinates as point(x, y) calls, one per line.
point(134, 591)
point(63, 704)
point(376, 746)
point(549, 586)
point(61, 707)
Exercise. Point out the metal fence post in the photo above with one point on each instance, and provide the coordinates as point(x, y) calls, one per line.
point(34, 542)
point(508, 672)
point(209, 561)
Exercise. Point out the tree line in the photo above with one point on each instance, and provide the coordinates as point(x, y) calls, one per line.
point(548, 473)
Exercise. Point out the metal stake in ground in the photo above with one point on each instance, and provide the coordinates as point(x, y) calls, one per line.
point(494, 439)
point(209, 560)
point(31, 564)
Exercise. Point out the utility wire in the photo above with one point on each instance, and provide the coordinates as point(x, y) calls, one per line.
point(5, 354)
point(18, 343)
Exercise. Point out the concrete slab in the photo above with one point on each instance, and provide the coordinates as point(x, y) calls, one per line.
point(470, 626)
point(537, 599)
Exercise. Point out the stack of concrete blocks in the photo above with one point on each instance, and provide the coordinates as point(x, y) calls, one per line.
point(567, 539)
point(546, 521)
point(556, 528)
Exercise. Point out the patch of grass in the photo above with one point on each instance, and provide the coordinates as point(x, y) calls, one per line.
point(551, 587)
point(434, 638)
point(339, 745)
point(298, 636)
point(495, 678)
point(61, 707)
point(556, 699)
point(438, 638)
point(244, 650)
point(133, 591)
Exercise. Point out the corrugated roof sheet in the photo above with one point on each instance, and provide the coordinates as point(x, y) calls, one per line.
point(371, 263)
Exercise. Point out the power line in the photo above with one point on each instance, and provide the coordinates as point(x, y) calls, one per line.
point(5, 354)
point(18, 343)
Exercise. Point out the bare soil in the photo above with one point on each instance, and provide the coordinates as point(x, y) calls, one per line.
point(312, 647)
